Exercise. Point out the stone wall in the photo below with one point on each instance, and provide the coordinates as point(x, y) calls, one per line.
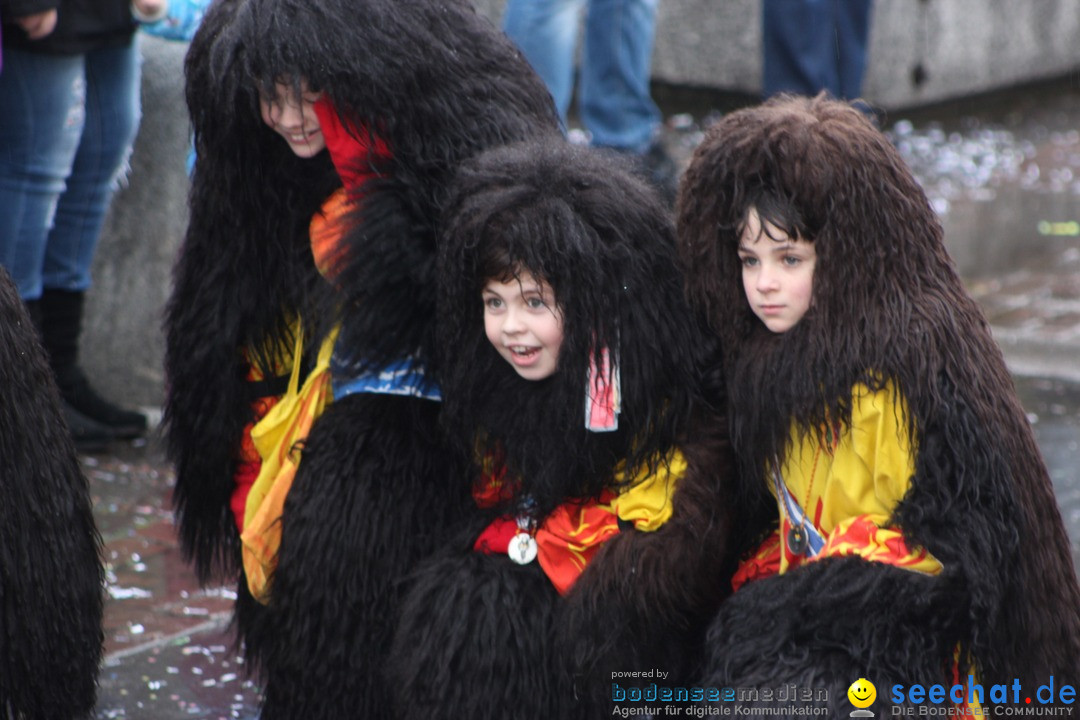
point(123, 345)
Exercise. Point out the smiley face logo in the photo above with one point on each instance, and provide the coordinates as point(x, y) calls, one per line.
point(862, 693)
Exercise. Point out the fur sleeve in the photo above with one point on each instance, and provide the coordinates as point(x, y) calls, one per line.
point(645, 599)
point(51, 574)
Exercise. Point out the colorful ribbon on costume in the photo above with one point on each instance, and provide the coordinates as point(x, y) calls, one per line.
point(402, 377)
point(569, 537)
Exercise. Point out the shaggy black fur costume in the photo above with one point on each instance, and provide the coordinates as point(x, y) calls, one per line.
point(51, 575)
point(887, 306)
point(481, 637)
point(438, 84)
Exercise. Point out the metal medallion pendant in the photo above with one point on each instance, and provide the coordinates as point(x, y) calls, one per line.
point(796, 539)
point(522, 548)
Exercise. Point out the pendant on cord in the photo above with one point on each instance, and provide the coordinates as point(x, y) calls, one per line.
point(796, 539)
point(522, 548)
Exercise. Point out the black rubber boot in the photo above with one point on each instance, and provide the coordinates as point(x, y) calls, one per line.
point(33, 309)
point(655, 166)
point(89, 436)
point(661, 171)
point(61, 324)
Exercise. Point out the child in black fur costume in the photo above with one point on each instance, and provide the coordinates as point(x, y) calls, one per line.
point(402, 92)
point(944, 553)
point(558, 266)
point(51, 575)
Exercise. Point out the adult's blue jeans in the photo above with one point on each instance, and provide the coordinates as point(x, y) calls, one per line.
point(67, 126)
point(814, 45)
point(613, 89)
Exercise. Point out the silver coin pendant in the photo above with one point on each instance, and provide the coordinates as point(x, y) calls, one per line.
point(522, 548)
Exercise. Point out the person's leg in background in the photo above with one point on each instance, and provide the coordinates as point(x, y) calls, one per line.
point(614, 100)
point(814, 45)
point(798, 46)
point(616, 104)
point(112, 120)
point(853, 36)
point(43, 101)
point(614, 96)
point(546, 32)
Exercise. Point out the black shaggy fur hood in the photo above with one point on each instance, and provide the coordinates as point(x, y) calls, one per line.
point(887, 305)
point(438, 84)
point(604, 245)
point(602, 241)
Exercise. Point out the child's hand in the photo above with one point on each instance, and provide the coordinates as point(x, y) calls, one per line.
point(39, 24)
point(149, 11)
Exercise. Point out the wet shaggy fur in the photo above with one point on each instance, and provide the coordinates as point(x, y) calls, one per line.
point(245, 265)
point(482, 636)
point(438, 84)
point(475, 638)
point(887, 306)
point(646, 599)
point(51, 575)
point(374, 494)
point(605, 245)
point(830, 621)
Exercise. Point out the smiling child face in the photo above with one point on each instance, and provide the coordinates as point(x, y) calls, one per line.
point(524, 324)
point(291, 115)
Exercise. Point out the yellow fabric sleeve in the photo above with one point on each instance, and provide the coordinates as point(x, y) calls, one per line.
point(648, 501)
point(849, 480)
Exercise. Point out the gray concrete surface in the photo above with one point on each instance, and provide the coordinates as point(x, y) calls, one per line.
point(123, 345)
point(967, 47)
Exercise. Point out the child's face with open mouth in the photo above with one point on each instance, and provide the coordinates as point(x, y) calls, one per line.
point(524, 324)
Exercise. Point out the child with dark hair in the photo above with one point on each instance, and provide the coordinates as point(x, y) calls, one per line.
point(570, 370)
point(327, 134)
point(911, 534)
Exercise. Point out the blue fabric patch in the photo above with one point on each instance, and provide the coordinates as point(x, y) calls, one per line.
point(402, 377)
point(181, 21)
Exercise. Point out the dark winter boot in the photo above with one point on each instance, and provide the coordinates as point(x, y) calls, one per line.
point(61, 323)
point(88, 435)
point(655, 166)
point(33, 309)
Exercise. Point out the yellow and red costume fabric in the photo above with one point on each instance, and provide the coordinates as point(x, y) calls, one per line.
point(569, 537)
point(248, 462)
point(848, 481)
point(352, 153)
point(353, 150)
point(275, 438)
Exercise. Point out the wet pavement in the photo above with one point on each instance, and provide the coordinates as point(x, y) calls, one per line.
point(168, 653)
point(1002, 172)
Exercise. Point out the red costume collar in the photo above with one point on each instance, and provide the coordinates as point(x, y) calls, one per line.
point(354, 151)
